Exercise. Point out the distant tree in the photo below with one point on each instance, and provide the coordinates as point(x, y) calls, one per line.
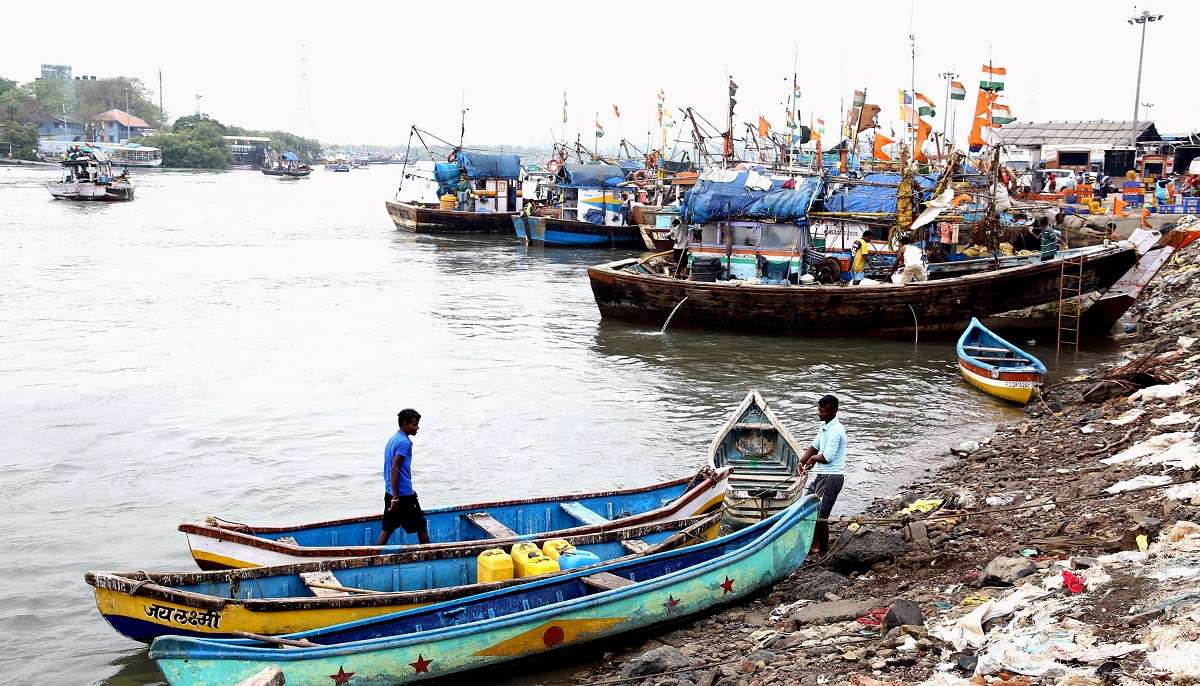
point(122, 93)
point(191, 121)
point(196, 146)
point(19, 117)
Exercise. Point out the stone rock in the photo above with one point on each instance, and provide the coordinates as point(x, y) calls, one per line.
point(818, 581)
point(707, 678)
point(1006, 571)
point(868, 548)
point(660, 659)
point(903, 612)
point(826, 613)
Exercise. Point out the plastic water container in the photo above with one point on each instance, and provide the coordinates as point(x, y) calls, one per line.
point(537, 564)
point(575, 558)
point(555, 547)
point(521, 551)
point(493, 565)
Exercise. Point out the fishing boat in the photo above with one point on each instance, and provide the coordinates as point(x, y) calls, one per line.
point(997, 367)
point(586, 214)
point(486, 202)
point(89, 176)
point(338, 166)
point(764, 456)
point(293, 173)
point(222, 544)
point(525, 621)
point(278, 600)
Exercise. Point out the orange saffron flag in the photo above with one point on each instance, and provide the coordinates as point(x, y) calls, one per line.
point(764, 127)
point(923, 131)
point(881, 141)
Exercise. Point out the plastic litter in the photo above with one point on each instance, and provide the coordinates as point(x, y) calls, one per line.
point(1072, 582)
point(1162, 391)
point(1138, 482)
point(1128, 417)
point(922, 506)
point(1173, 419)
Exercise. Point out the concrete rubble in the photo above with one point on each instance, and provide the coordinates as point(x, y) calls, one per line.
point(1090, 575)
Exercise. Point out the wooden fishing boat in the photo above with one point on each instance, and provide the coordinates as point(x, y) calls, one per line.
point(222, 544)
point(763, 455)
point(278, 600)
point(646, 291)
point(571, 233)
point(997, 367)
point(296, 173)
point(90, 177)
point(521, 622)
point(431, 219)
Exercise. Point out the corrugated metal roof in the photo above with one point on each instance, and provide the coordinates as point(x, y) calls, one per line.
point(1075, 132)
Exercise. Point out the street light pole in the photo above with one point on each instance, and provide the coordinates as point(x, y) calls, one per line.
point(1144, 18)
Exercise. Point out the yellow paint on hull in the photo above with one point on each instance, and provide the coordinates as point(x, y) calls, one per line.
point(220, 561)
point(233, 617)
point(995, 387)
point(549, 635)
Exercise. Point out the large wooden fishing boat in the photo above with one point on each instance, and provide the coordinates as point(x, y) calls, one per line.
point(293, 173)
point(482, 192)
point(432, 219)
point(586, 213)
point(221, 544)
point(278, 600)
point(647, 290)
point(524, 621)
point(764, 456)
point(997, 367)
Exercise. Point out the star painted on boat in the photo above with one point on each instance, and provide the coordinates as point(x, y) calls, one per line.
point(672, 601)
point(341, 677)
point(726, 586)
point(421, 665)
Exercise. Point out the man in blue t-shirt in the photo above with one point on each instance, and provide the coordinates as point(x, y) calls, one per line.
point(400, 506)
point(828, 454)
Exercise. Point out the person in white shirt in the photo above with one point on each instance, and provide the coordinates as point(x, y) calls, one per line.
point(909, 262)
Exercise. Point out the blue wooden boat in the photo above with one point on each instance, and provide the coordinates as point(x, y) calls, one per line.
point(996, 366)
point(514, 623)
point(278, 600)
point(224, 544)
point(569, 233)
point(587, 213)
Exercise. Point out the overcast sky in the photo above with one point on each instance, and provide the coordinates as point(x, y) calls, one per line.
point(374, 69)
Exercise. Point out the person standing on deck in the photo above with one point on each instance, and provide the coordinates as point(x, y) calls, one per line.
point(858, 261)
point(1050, 240)
point(828, 453)
point(401, 509)
point(909, 262)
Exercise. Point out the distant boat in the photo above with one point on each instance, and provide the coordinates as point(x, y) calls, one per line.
point(763, 455)
point(338, 166)
point(295, 173)
point(587, 213)
point(120, 154)
point(89, 176)
point(998, 367)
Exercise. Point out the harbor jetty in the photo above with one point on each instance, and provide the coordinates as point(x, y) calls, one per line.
point(1063, 548)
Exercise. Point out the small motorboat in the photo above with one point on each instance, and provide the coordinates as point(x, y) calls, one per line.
point(223, 544)
point(523, 621)
point(997, 367)
point(289, 173)
point(764, 456)
point(88, 175)
point(278, 600)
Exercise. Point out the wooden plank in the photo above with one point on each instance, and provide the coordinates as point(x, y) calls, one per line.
point(604, 581)
point(1001, 359)
point(490, 525)
point(635, 545)
point(323, 584)
point(271, 676)
point(751, 425)
point(985, 349)
point(583, 514)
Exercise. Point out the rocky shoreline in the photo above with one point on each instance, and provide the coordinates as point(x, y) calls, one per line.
point(1085, 569)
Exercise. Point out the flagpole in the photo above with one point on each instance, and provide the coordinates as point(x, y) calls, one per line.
point(949, 76)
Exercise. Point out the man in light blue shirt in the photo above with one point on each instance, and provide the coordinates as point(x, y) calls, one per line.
point(828, 454)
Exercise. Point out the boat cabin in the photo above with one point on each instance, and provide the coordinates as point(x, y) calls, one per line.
point(494, 180)
point(589, 193)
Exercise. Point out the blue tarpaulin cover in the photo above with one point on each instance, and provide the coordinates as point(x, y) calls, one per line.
point(290, 157)
point(713, 201)
point(874, 198)
point(590, 175)
point(496, 165)
point(628, 166)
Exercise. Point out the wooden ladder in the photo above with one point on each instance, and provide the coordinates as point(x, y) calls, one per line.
point(1070, 288)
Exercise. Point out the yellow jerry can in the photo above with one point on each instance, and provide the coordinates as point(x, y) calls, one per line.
point(493, 565)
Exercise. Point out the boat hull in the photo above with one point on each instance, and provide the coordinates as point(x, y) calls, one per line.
point(657, 239)
point(420, 219)
point(943, 306)
point(216, 546)
point(996, 366)
point(1017, 387)
point(115, 192)
point(567, 233)
point(673, 590)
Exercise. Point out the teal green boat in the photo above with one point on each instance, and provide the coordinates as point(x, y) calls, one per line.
point(513, 623)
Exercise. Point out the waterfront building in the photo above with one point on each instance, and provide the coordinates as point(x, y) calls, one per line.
point(116, 126)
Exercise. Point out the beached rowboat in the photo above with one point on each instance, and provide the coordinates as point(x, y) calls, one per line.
point(514, 623)
point(998, 367)
point(222, 544)
point(278, 600)
point(763, 455)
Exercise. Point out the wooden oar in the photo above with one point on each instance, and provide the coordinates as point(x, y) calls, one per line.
point(347, 589)
point(291, 643)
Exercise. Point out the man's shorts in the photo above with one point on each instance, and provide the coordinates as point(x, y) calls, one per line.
point(827, 486)
point(407, 515)
point(857, 276)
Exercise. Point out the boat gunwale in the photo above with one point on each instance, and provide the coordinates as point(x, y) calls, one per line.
point(755, 398)
point(774, 526)
point(1033, 366)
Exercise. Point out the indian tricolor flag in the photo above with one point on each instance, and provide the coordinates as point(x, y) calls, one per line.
point(1001, 115)
point(993, 78)
point(957, 91)
point(925, 106)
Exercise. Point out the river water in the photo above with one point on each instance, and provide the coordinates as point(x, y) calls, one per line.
point(236, 344)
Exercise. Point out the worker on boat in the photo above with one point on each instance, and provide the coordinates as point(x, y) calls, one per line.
point(626, 209)
point(828, 454)
point(463, 190)
point(1050, 239)
point(858, 263)
point(910, 263)
point(401, 509)
point(1027, 239)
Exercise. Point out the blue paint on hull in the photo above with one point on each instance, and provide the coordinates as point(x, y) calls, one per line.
point(576, 234)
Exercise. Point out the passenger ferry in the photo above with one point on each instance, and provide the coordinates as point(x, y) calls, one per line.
point(121, 154)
